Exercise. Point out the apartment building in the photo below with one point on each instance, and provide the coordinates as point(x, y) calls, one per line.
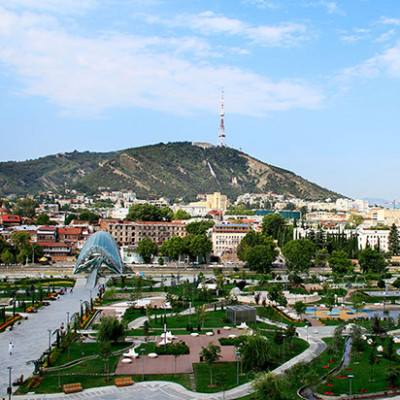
point(226, 237)
point(131, 233)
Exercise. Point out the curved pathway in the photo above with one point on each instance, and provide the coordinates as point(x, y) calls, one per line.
point(31, 337)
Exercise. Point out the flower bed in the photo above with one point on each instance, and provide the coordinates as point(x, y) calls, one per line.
point(10, 322)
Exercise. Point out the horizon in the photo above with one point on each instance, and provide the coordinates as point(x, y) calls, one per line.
point(311, 87)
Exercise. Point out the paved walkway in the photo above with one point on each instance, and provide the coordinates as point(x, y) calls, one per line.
point(31, 338)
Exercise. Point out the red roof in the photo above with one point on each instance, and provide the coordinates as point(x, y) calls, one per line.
point(70, 231)
point(47, 228)
point(159, 223)
point(52, 244)
point(10, 218)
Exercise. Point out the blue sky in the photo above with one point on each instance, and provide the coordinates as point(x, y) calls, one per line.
point(310, 85)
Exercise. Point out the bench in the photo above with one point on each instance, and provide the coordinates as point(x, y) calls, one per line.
point(72, 388)
point(123, 381)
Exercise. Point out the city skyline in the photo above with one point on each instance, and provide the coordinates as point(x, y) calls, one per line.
point(310, 86)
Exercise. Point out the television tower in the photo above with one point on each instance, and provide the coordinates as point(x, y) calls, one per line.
point(222, 125)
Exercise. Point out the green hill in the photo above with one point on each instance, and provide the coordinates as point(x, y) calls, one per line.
point(48, 173)
point(172, 170)
point(181, 169)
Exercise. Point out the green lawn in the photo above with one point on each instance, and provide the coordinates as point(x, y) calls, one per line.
point(361, 369)
point(224, 375)
point(88, 349)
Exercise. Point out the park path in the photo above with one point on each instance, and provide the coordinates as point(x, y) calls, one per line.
point(31, 337)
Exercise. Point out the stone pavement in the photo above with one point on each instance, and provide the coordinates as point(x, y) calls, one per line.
point(31, 338)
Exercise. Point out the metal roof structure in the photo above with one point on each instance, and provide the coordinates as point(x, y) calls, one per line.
point(100, 249)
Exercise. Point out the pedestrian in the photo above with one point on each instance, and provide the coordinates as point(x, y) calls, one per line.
point(10, 348)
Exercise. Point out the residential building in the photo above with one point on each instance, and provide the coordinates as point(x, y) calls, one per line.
point(226, 237)
point(131, 233)
point(216, 201)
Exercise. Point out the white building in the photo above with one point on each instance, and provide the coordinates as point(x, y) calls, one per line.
point(348, 204)
point(194, 211)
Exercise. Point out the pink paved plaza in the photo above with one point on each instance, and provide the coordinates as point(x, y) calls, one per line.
point(184, 363)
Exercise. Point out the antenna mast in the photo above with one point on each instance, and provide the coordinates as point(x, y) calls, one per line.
point(222, 125)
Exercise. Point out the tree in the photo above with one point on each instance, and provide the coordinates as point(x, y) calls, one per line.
point(201, 314)
point(110, 329)
point(261, 257)
point(181, 214)
point(273, 224)
point(105, 352)
point(25, 207)
point(371, 260)
point(7, 257)
point(89, 216)
point(250, 240)
point(148, 212)
point(42, 219)
point(199, 228)
point(20, 239)
point(298, 254)
point(299, 307)
point(356, 219)
point(321, 257)
point(340, 263)
point(394, 242)
point(211, 354)
point(69, 218)
point(255, 351)
point(201, 246)
point(356, 338)
point(173, 248)
point(146, 248)
point(270, 386)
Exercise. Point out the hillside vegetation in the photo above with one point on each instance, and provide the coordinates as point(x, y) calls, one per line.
point(173, 170)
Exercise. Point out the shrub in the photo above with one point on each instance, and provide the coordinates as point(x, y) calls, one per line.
point(173, 349)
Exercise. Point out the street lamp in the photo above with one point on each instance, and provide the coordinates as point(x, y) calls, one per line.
point(350, 384)
point(68, 355)
point(67, 321)
point(283, 346)
point(142, 351)
point(237, 366)
point(9, 389)
point(49, 330)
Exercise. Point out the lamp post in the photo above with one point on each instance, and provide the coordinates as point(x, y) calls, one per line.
point(68, 355)
point(237, 366)
point(142, 351)
point(9, 389)
point(190, 312)
point(49, 330)
point(67, 321)
point(283, 346)
point(350, 384)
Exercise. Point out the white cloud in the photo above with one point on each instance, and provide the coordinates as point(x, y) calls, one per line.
point(390, 21)
point(386, 63)
point(331, 7)
point(91, 75)
point(262, 3)
point(386, 36)
point(57, 6)
point(207, 23)
point(356, 35)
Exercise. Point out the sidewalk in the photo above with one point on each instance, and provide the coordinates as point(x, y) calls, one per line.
point(31, 337)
